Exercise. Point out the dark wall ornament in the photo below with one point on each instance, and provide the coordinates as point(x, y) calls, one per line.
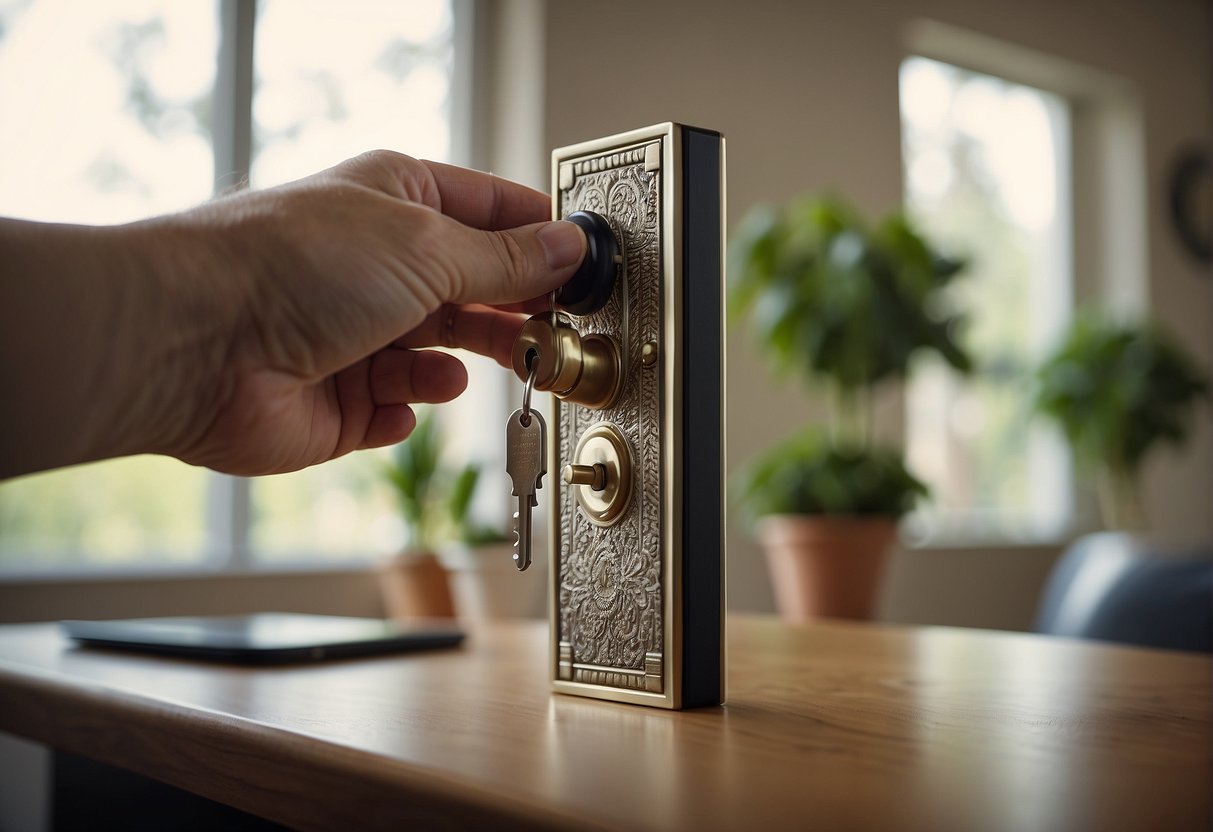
point(1190, 193)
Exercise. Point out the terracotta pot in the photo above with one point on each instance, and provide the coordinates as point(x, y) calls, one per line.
point(488, 587)
point(823, 566)
point(414, 585)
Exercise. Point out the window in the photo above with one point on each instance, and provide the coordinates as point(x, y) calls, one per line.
point(987, 176)
point(378, 85)
point(118, 127)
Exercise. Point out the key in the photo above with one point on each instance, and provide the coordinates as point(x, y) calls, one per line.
point(526, 461)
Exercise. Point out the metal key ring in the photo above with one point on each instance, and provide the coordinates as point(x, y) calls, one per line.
point(525, 418)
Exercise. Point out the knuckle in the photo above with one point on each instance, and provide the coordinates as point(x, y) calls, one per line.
point(515, 265)
point(380, 158)
point(386, 170)
point(436, 253)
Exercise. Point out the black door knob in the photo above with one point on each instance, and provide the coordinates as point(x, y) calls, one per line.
point(591, 285)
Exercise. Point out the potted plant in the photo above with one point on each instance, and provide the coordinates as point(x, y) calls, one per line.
point(1118, 391)
point(414, 584)
point(479, 559)
point(845, 307)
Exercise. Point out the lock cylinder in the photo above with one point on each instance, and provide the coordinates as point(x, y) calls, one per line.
point(583, 369)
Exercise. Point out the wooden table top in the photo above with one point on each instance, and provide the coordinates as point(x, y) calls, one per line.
point(830, 726)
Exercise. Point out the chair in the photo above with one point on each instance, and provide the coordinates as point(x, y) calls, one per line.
point(1112, 587)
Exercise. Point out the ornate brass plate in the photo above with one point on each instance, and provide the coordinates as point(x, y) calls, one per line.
point(637, 590)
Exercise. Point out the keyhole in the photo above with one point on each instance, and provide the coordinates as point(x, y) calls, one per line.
point(530, 357)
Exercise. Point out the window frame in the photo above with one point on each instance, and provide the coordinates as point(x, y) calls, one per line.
point(1108, 252)
point(228, 509)
point(230, 498)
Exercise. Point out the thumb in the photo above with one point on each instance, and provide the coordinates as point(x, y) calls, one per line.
point(517, 264)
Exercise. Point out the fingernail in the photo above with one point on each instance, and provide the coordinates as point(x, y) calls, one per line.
point(563, 243)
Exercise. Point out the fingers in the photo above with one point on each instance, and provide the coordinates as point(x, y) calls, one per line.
point(401, 376)
point(389, 425)
point(501, 267)
point(480, 200)
point(374, 396)
point(534, 306)
point(484, 201)
point(481, 329)
point(492, 247)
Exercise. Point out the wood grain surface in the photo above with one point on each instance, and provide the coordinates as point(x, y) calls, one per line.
point(827, 726)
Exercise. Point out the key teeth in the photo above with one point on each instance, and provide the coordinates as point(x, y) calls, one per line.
point(517, 556)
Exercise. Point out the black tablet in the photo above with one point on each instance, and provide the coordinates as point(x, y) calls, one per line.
point(265, 638)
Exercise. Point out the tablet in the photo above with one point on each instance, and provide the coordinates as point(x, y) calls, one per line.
point(265, 638)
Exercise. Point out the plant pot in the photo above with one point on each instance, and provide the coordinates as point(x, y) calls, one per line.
point(414, 585)
point(823, 566)
point(488, 587)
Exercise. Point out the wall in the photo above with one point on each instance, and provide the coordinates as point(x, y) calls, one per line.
point(806, 94)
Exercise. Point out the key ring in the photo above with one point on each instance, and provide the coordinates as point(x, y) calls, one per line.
point(525, 418)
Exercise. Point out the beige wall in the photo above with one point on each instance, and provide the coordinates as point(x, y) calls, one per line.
point(806, 94)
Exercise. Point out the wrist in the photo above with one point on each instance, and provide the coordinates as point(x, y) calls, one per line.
point(181, 301)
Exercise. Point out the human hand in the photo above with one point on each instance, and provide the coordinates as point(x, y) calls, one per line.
point(271, 330)
point(336, 283)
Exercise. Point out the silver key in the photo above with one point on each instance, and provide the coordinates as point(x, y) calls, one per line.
point(526, 461)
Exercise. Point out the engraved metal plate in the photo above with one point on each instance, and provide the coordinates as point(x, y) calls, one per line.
point(637, 605)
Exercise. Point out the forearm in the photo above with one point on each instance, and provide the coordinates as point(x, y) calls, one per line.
point(102, 332)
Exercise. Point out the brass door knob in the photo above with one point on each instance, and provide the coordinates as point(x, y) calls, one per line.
point(583, 369)
point(601, 474)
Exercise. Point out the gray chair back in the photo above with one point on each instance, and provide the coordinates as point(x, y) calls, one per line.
point(1111, 587)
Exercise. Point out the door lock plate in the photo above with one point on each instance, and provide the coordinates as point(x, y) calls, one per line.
point(637, 578)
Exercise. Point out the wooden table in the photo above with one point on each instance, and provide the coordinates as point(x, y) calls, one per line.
point(830, 726)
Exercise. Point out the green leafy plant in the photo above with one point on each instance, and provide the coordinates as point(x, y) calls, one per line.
point(459, 505)
point(434, 499)
point(807, 475)
point(847, 307)
point(1117, 391)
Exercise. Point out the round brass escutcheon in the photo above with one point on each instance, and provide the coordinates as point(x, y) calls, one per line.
point(603, 445)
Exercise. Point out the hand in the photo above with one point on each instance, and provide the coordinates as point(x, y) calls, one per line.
point(273, 330)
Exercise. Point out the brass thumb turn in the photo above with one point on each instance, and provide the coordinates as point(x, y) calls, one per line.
point(595, 476)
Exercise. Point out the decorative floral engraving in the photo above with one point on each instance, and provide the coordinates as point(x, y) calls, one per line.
point(610, 579)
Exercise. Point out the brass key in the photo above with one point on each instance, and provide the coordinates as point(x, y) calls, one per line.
point(526, 463)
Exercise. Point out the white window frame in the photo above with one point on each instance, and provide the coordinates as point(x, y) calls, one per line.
point(228, 509)
point(1107, 198)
